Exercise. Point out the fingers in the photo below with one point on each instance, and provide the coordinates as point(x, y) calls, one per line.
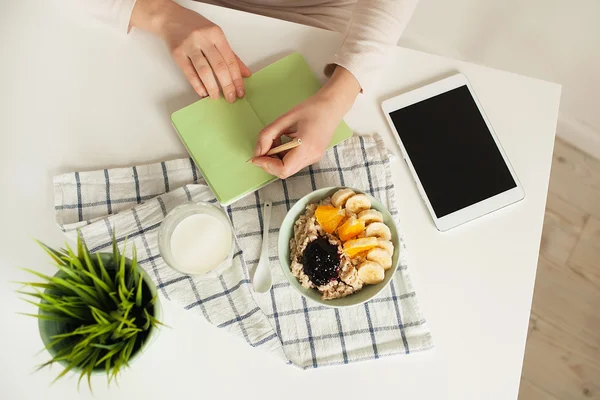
point(268, 135)
point(231, 60)
point(186, 66)
point(271, 165)
point(243, 68)
point(207, 60)
point(291, 163)
point(205, 73)
point(221, 70)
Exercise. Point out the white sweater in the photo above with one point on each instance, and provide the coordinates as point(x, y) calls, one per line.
point(371, 27)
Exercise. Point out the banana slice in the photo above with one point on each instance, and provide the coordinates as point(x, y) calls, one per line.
point(381, 257)
point(369, 216)
point(340, 197)
point(350, 213)
point(386, 245)
point(358, 203)
point(371, 273)
point(378, 230)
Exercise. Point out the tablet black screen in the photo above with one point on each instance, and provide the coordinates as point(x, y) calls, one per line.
point(452, 151)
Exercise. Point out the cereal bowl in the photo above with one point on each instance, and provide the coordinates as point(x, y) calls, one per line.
point(286, 233)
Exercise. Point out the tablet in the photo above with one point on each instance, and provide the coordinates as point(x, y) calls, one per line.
point(452, 152)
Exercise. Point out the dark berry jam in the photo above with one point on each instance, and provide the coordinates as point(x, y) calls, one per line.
point(321, 261)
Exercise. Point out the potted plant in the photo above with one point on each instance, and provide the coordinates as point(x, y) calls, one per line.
point(97, 313)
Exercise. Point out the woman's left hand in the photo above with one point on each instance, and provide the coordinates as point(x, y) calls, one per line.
point(314, 121)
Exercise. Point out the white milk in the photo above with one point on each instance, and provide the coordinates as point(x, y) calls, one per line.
point(200, 243)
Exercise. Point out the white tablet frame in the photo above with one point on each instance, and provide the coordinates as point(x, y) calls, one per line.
point(478, 209)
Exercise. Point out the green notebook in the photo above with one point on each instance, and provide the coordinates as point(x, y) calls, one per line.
point(221, 136)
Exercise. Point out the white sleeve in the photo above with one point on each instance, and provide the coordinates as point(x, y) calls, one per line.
point(375, 28)
point(115, 13)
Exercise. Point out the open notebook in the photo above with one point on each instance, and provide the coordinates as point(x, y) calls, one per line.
point(221, 137)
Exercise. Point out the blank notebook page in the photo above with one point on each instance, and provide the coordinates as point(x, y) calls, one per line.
point(221, 138)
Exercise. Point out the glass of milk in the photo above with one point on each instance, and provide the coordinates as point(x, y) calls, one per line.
point(196, 238)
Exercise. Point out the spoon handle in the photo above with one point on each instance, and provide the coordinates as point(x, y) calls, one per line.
point(266, 223)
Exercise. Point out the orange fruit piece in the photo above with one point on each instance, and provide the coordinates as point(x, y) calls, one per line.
point(351, 228)
point(355, 246)
point(329, 217)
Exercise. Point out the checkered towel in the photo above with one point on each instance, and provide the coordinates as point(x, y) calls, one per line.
point(135, 200)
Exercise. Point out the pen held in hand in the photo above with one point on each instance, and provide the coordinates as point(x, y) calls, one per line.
point(284, 147)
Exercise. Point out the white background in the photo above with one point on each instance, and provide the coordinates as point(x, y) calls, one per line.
point(555, 40)
point(76, 96)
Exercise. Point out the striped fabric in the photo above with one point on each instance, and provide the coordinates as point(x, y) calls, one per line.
point(135, 200)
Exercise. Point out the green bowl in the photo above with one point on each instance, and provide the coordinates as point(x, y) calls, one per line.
point(287, 232)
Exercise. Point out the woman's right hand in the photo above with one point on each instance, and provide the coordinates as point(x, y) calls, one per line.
point(198, 46)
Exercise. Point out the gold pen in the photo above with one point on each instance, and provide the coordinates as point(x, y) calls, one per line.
point(286, 146)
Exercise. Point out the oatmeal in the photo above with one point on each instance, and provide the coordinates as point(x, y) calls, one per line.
point(336, 249)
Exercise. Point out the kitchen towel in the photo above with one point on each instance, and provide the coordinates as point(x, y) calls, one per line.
point(133, 201)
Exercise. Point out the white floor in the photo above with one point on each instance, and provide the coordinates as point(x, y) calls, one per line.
point(554, 40)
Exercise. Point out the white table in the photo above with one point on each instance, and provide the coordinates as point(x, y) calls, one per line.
point(77, 96)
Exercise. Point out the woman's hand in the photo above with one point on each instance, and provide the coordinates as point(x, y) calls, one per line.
point(314, 121)
point(198, 46)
